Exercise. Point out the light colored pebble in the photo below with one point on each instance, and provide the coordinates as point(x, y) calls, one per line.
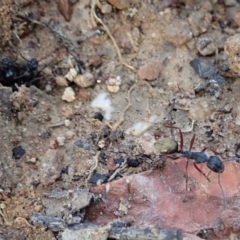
point(67, 122)
point(48, 88)
point(69, 135)
point(68, 95)
point(71, 75)
point(38, 208)
point(31, 160)
point(61, 141)
point(85, 80)
point(101, 143)
point(2, 205)
point(61, 81)
point(113, 84)
point(113, 88)
point(106, 8)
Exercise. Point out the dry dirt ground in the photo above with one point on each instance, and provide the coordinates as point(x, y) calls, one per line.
point(73, 165)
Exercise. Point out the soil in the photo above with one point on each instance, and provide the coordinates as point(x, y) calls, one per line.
point(135, 79)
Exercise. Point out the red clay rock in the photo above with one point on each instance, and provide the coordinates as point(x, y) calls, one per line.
point(156, 198)
point(150, 71)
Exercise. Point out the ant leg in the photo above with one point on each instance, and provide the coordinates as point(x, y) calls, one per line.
point(192, 142)
point(185, 199)
point(224, 198)
point(163, 158)
point(195, 165)
point(215, 152)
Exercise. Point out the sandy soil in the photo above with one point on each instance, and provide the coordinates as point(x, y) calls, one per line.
point(134, 73)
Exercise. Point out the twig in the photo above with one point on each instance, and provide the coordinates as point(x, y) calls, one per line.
point(60, 36)
point(94, 15)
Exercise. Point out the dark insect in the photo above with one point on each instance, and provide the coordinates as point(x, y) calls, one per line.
point(28, 72)
point(8, 72)
point(13, 74)
point(214, 163)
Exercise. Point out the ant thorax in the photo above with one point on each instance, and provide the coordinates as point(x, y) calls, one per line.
point(198, 157)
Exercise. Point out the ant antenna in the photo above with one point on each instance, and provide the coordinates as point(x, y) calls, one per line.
point(223, 194)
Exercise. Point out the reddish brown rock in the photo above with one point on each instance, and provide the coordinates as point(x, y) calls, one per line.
point(156, 198)
point(51, 166)
point(150, 70)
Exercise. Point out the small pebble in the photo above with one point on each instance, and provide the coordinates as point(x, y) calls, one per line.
point(31, 160)
point(133, 162)
point(113, 84)
point(85, 80)
point(98, 178)
point(101, 143)
point(99, 116)
point(67, 122)
point(150, 71)
point(18, 152)
point(68, 95)
point(2, 205)
point(38, 208)
point(71, 75)
point(166, 145)
point(113, 89)
point(45, 134)
point(61, 81)
point(106, 8)
point(69, 135)
point(61, 141)
point(53, 144)
point(48, 88)
point(95, 61)
point(206, 45)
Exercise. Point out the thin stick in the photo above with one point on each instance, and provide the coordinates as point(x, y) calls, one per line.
point(93, 13)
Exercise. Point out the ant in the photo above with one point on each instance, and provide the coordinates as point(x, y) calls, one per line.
point(214, 163)
point(28, 73)
point(8, 73)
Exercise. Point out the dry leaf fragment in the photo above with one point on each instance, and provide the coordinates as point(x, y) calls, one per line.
point(65, 8)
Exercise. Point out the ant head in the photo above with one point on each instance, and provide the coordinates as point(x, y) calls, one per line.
point(215, 164)
point(6, 63)
point(32, 64)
